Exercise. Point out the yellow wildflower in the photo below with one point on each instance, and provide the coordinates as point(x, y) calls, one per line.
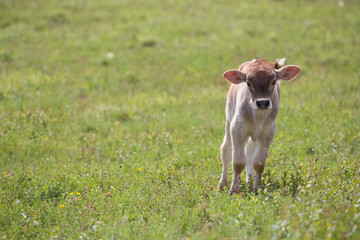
point(139, 169)
point(77, 193)
point(62, 206)
point(53, 120)
point(178, 141)
point(281, 135)
point(71, 193)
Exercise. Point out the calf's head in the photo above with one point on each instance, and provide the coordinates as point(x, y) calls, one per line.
point(260, 77)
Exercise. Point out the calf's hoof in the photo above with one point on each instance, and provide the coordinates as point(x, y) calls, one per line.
point(255, 190)
point(234, 189)
point(222, 185)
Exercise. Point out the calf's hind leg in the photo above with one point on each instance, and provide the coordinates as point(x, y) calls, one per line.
point(249, 151)
point(226, 150)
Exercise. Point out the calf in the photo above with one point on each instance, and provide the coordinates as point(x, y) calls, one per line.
point(251, 109)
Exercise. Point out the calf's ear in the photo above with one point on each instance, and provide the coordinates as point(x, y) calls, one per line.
point(287, 72)
point(234, 76)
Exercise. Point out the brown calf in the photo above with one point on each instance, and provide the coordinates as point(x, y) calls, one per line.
point(251, 110)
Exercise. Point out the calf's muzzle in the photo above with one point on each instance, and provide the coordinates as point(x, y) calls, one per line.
point(263, 104)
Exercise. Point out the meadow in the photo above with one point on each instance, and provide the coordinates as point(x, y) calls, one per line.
point(112, 116)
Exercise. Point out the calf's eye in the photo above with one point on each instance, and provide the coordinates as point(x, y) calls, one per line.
point(248, 84)
point(274, 82)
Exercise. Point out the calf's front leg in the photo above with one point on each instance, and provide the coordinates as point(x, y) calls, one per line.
point(260, 155)
point(238, 140)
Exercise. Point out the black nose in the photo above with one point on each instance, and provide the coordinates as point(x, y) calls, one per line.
point(263, 104)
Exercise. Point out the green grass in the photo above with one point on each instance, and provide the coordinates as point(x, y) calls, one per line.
point(128, 147)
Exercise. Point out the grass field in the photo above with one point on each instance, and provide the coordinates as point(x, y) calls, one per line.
point(112, 116)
